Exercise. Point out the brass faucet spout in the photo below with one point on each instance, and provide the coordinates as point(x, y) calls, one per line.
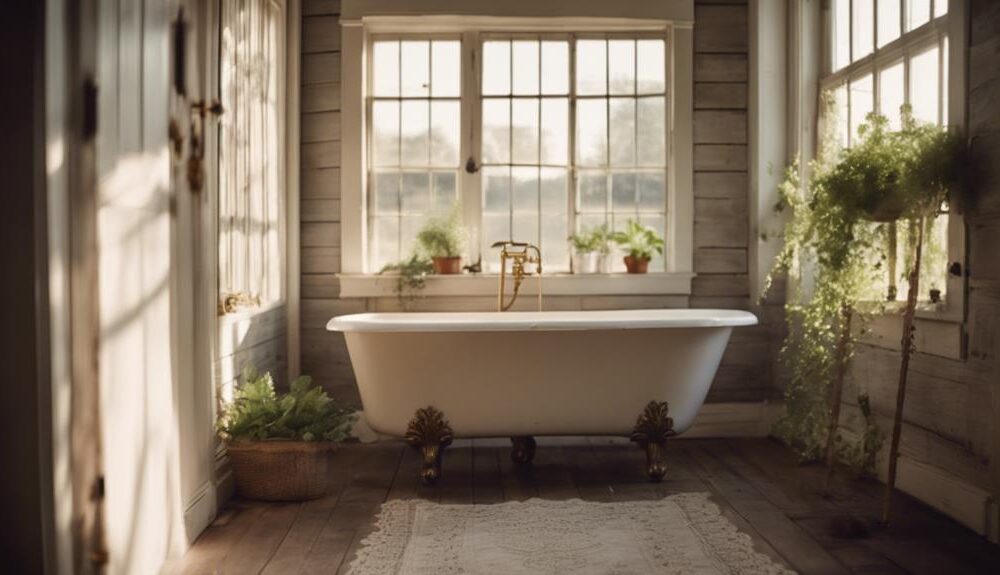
point(519, 254)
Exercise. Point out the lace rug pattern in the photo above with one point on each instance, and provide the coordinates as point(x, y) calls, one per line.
point(683, 534)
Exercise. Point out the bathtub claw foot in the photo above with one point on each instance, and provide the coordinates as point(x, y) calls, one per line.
point(651, 431)
point(430, 433)
point(523, 451)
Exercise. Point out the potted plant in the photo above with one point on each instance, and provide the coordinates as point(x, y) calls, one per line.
point(590, 248)
point(441, 240)
point(640, 244)
point(277, 443)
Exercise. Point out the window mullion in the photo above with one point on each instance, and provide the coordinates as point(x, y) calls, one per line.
point(571, 147)
point(471, 129)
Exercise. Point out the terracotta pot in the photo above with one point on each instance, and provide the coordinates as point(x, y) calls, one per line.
point(636, 265)
point(447, 265)
point(280, 470)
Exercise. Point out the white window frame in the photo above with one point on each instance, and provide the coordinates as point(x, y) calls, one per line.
point(952, 27)
point(363, 20)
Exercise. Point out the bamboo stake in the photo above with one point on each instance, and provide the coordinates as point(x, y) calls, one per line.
point(907, 349)
point(837, 391)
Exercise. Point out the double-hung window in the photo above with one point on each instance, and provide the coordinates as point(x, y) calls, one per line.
point(882, 55)
point(567, 132)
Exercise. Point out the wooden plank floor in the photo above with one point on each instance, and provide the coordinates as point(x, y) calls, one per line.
point(756, 482)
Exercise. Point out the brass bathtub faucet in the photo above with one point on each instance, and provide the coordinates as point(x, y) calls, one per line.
point(519, 253)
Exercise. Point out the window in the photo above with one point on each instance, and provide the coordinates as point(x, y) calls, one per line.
point(251, 151)
point(415, 127)
point(564, 132)
point(907, 64)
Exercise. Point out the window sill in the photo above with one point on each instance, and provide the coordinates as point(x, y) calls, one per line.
point(662, 283)
point(939, 331)
point(925, 311)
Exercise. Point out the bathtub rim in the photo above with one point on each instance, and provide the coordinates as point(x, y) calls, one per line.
point(604, 320)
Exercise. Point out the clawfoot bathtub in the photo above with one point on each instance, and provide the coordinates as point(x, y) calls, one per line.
point(430, 377)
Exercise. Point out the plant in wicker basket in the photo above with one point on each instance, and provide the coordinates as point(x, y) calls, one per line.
point(277, 443)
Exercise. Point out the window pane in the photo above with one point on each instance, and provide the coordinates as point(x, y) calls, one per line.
point(621, 66)
point(924, 86)
point(940, 8)
point(862, 103)
point(652, 192)
point(496, 131)
point(650, 66)
point(888, 21)
point(891, 94)
point(524, 131)
point(553, 190)
point(415, 64)
point(524, 185)
point(415, 193)
point(840, 115)
point(415, 129)
point(623, 192)
point(622, 132)
point(446, 67)
point(525, 68)
point(591, 67)
point(445, 191)
point(591, 132)
point(555, 67)
point(385, 76)
point(385, 125)
point(918, 13)
point(652, 126)
point(862, 28)
point(384, 241)
point(386, 190)
point(555, 131)
point(496, 190)
point(445, 128)
point(496, 68)
point(944, 84)
point(841, 33)
point(592, 193)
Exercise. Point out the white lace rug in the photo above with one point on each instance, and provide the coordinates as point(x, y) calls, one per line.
point(683, 533)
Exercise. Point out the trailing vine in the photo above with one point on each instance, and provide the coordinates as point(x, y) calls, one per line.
point(831, 260)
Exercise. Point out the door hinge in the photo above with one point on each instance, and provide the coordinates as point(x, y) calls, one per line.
point(89, 109)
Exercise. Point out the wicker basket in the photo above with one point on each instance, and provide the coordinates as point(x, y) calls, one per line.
point(280, 470)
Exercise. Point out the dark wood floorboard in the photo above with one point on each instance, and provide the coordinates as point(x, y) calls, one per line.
point(786, 508)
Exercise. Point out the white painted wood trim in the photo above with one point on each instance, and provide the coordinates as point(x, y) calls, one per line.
point(679, 10)
point(293, 25)
point(666, 283)
point(200, 510)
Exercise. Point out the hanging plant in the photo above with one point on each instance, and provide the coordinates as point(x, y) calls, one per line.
point(843, 256)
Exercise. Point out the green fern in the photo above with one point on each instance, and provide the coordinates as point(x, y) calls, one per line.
point(305, 413)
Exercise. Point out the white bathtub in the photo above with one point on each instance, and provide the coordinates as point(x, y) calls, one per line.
point(535, 373)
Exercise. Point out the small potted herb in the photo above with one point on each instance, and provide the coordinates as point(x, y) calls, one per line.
point(640, 243)
point(277, 443)
point(590, 249)
point(441, 240)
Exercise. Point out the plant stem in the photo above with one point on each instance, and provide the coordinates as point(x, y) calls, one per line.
point(837, 391)
point(907, 349)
